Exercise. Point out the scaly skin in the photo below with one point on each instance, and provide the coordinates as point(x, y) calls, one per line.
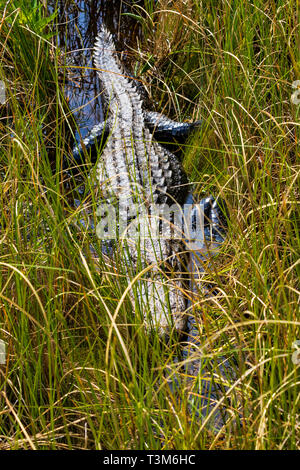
point(134, 168)
point(162, 128)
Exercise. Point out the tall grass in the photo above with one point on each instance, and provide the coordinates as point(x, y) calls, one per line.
point(77, 375)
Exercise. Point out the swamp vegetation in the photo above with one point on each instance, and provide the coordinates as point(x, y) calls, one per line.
point(80, 372)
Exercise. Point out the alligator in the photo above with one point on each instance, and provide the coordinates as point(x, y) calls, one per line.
point(135, 171)
point(164, 130)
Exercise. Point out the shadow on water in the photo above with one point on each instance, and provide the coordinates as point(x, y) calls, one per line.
point(78, 26)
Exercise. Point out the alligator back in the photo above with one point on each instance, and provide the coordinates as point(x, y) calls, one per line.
point(132, 162)
point(134, 170)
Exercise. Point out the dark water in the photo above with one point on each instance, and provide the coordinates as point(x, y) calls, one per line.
point(204, 381)
point(79, 24)
point(78, 27)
